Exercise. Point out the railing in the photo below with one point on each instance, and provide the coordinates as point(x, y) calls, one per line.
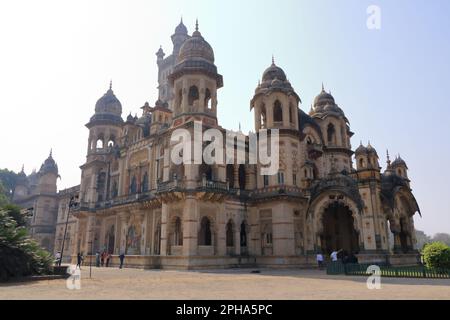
point(214, 185)
point(420, 271)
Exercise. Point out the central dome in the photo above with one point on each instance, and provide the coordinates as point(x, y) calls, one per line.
point(108, 103)
point(196, 48)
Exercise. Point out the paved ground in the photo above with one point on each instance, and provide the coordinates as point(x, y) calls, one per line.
point(113, 283)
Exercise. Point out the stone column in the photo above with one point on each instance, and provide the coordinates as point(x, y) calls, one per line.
point(237, 240)
point(164, 229)
point(123, 232)
point(283, 230)
point(236, 176)
point(190, 226)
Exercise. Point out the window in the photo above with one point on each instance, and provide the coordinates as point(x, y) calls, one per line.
point(243, 234)
point(208, 99)
point(144, 184)
point(178, 235)
point(205, 238)
point(277, 112)
point(133, 185)
point(331, 133)
point(193, 95)
point(280, 177)
point(266, 180)
point(294, 179)
point(229, 234)
point(268, 238)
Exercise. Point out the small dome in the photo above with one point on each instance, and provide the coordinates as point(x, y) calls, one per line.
point(196, 48)
point(398, 162)
point(324, 99)
point(22, 179)
point(49, 166)
point(181, 28)
point(361, 150)
point(273, 72)
point(371, 149)
point(108, 104)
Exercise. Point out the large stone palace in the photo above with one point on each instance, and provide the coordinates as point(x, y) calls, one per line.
point(133, 199)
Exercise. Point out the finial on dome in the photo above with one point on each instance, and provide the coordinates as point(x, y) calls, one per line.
point(51, 151)
point(323, 88)
point(388, 159)
point(273, 60)
point(181, 21)
point(196, 24)
point(23, 168)
point(110, 84)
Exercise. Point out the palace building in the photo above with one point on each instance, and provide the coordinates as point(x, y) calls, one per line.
point(133, 199)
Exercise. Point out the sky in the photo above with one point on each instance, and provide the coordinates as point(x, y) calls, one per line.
point(58, 57)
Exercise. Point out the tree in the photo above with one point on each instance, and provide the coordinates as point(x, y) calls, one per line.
point(422, 239)
point(8, 179)
point(4, 199)
point(442, 237)
point(20, 255)
point(436, 255)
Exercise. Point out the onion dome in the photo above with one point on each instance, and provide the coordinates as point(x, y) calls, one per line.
point(274, 79)
point(273, 72)
point(107, 109)
point(399, 162)
point(324, 104)
point(361, 149)
point(196, 56)
point(181, 28)
point(22, 178)
point(196, 48)
point(49, 166)
point(371, 149)
point(130, 118)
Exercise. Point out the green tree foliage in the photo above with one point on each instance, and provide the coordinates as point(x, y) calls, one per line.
point(436, 255)
point(4, 198)
point(14, 212)
point(19, 254)
point(8, 179)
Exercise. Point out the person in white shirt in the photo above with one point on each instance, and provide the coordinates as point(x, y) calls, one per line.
point(58, 257)
point(334, 255)
point(319, 259)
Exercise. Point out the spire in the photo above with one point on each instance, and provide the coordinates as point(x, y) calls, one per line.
point(323, 88)
point(196, 24)
point(110, 84)
point(240, 126)
point(23, 168)
point(181, 21)
point(51, 151)
point(388, 159)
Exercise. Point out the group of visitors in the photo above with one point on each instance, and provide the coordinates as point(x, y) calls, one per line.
point(336, 256)
point(100, 259)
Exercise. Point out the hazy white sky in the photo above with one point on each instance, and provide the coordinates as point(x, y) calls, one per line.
point(57, 58)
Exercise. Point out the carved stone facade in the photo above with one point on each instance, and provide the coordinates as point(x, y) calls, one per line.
point(134, 200)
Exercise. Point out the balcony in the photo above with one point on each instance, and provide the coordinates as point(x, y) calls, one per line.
point(315, 150)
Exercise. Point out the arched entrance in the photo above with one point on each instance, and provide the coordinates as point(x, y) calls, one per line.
point(338, 230)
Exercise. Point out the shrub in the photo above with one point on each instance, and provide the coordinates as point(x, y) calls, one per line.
point(436, 255)
point(19, 255)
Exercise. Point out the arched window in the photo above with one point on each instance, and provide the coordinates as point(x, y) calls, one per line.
point(277, 112)
point(144, 184)
point(331, 133)
point(229, 234)
point(133, 185)
point(280, 177)
point(208, 99)
point(206, 170)
point(115, 190)
point(204, 237)
point(292, 114)
point(99, 144)
point(178, 235)
point(265, 180)
point(263, 116)
point(111, 142)
point(361, 162)
point(243, 234)
point(193, 95)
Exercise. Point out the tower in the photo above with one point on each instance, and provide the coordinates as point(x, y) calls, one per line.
point(275, 102)
point(335, 129)
point(195, 81)
point(104, 131)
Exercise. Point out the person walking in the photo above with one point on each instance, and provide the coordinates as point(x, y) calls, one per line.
point(334, 255)
point(121, 257)
point(79, 260)
point(319, 259)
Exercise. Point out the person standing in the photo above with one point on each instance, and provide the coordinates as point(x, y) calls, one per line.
point(79, 260)
point(102, 259)
point(108, 258)
point(334, 255)
point(121, 257)
point(58, 257)
point(319, 259)
point(97, 259)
